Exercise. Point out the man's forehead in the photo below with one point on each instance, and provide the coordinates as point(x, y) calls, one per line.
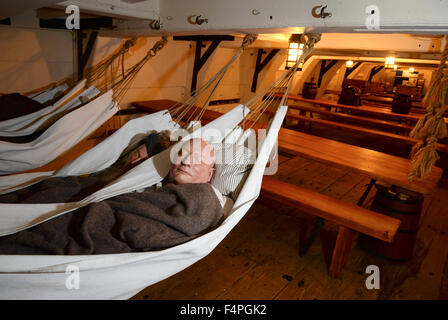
point(195, 145)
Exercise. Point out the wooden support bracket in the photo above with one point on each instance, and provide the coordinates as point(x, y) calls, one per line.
point(259, 65)
point(348, 71)
point(83, 55)
point(323, 69)
point(200, 60)
point(374, 71)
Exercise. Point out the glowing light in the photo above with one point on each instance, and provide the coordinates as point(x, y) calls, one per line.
point(389, 63)
point(349, 64)
point(294, 51)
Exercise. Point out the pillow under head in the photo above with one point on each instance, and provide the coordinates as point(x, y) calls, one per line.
point(232, 166)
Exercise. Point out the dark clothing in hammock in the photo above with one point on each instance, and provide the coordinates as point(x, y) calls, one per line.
point(74, 188)
point(14, 105)
point(138, 221)
point(153, 147)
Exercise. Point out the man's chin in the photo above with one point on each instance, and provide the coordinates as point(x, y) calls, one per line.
point(181, 179)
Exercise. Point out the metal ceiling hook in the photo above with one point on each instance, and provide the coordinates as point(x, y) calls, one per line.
point(321, 14)
point(200, 20)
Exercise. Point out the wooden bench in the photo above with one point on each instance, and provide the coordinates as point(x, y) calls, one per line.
point(350, 218)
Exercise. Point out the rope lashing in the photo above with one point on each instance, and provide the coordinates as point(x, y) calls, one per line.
point(431, 126)
point(98, 71)
point(121, 86)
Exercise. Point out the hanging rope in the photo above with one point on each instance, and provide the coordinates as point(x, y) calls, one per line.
point(180, 110)
point(97, 73)
point(267, 97)
point(121, 83)
point(431, 126)
point(105, 76)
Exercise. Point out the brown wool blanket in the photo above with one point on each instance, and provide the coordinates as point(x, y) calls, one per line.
point(132, 222)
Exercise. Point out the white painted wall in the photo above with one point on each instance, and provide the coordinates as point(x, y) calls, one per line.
point(168, 75)
point(31, 58)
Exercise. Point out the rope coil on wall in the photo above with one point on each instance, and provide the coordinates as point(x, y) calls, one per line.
point(431, 126)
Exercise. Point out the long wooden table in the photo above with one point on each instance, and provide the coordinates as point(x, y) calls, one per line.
point(373, 164)
point(366, 110)
point(387, 101)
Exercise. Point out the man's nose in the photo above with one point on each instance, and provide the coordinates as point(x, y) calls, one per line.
point(185, 161)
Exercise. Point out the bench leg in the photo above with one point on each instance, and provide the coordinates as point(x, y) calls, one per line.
point(301, 123)
point(341, 250)
point(317, 226)
point(366, 192)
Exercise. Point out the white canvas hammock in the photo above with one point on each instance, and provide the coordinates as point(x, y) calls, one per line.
point(73, 123)
point(46, 95)
point(60, 137)
point(13, 126)
point(120, 276)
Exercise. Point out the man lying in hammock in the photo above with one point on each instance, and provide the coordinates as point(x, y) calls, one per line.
point(153, 219)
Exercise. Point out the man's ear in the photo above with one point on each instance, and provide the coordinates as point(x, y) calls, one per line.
point(210, 173)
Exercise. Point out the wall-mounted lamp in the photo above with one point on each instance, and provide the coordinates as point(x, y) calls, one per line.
point(295, 51)
point(411, 69)
point(389, 63)
point(395, 67)
point(349, 64)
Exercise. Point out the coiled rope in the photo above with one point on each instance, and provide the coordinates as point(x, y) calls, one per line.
point(431, 126)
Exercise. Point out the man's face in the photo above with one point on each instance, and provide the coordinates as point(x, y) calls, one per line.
point(194, 162)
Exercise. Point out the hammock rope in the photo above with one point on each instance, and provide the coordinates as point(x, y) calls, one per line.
point(431, 126)
point(97, 73)
point(179, 110)
point(120, 82)
point(263, 101)
point(259, 103)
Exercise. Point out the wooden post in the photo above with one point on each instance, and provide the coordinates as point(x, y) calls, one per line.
point(341, 250)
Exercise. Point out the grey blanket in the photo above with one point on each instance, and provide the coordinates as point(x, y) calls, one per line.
point(132, 222)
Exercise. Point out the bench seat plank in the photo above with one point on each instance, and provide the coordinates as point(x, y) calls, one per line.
point(358, 119)
point(356, 218)
point(373, 111)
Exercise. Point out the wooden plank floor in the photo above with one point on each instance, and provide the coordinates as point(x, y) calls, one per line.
point(259, 258)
